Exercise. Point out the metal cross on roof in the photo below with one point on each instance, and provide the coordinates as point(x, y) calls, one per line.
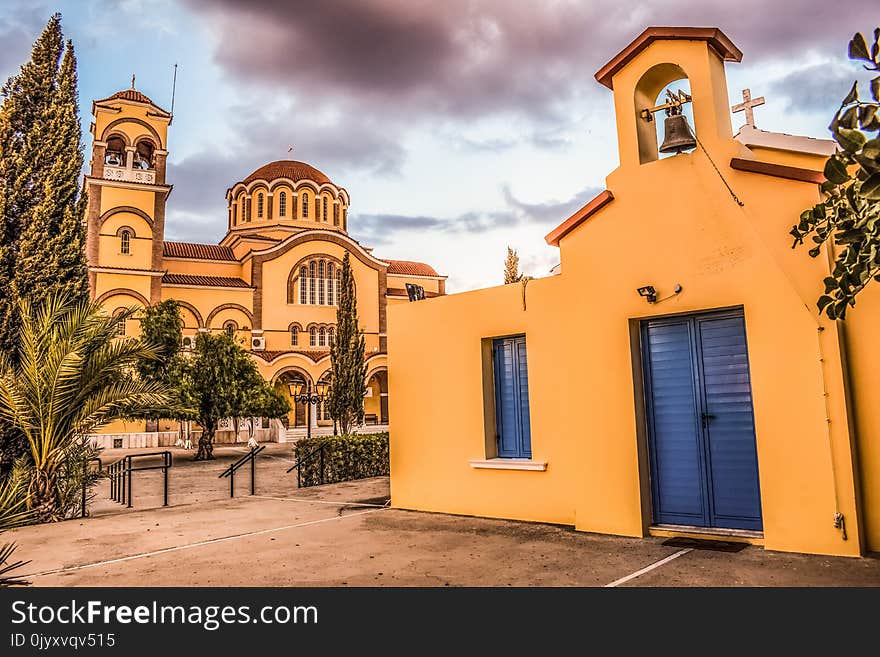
point(748, 106)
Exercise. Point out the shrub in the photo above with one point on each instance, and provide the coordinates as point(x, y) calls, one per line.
point(344, 458)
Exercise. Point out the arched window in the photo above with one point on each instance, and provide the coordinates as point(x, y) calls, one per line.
point(143, 155)
point(338, 284)
point(324, 213)
point(230, 328)
point(312, 336)
point(115, 153)
point(312, 274)
point(243, 200)
point(303, 283)
point(343, 218)
point(305, 206)
point(282, 204)
point(322, 337)
point(125, 242)
point(260, 205)
point(321, 283)
point(120, 323)
point(336, 214)
point(330, 295)
point(329, 337)
point(294, 336)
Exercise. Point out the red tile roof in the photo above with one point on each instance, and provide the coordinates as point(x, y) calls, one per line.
point(198, 251)
point(410, 268)
point(287, 169)
point(130, 94)
point(206, 281)
point(719, 42)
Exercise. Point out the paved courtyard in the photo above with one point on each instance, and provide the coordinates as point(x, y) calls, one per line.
point(344, 535)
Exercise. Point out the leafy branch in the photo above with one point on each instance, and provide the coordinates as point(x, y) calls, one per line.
point(849, 213)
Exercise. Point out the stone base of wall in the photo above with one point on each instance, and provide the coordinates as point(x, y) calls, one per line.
point(161, 439)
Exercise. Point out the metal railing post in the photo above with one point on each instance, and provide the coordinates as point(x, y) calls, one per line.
point(166, 458)
point(129, 482)
point(85, 479)
point(253, 472)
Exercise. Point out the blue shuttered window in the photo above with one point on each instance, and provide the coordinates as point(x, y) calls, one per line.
point(512, 398)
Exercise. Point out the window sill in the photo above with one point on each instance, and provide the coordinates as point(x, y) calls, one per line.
point(508, 464)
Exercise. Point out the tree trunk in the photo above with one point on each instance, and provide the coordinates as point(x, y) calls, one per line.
point(43, 497)
point(206, 444)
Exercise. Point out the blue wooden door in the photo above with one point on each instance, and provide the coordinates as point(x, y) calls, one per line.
point(512, 398)
point(704, 467)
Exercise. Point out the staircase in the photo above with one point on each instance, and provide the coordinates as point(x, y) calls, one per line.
point(294, 434)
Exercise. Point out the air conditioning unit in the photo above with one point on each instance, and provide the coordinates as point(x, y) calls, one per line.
point(189, 343)
point(258, 343)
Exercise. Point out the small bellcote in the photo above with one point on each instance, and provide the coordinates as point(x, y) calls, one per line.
point(658, 57)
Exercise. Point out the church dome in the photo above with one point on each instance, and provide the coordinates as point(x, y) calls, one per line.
point(291, 169)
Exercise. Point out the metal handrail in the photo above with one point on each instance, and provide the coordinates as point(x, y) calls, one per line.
point(120, 475)
point(305, 459)
point(230, 471)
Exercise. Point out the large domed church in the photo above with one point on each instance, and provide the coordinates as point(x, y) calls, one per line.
point(272, 281)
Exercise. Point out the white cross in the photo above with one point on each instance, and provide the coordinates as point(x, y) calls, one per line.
point(748, 106)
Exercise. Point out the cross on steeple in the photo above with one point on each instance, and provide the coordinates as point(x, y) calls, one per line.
point(132, 80)
point(748, 106)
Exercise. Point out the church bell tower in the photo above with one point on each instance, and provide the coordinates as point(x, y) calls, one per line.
point(126, 199)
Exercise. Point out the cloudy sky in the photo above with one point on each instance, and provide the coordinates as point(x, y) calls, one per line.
point(459, 127)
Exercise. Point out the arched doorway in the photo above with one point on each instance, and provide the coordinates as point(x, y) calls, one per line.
point(376, 399)
point(298, 411)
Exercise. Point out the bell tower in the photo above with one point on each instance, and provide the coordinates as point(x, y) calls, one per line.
point(126, 199)
point(658, 57)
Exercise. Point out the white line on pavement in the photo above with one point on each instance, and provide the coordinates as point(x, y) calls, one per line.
point(305, 499)
point(194, 545)
point(647, 569)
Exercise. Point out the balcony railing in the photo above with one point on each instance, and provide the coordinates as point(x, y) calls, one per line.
point(147, 176)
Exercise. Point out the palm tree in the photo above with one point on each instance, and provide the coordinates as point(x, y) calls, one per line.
point(70, 376)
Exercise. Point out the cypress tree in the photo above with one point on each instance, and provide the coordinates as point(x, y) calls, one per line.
point(41, 210)
point(511, 267)
point(347, 367)
point(51, 256)
point(26, 101)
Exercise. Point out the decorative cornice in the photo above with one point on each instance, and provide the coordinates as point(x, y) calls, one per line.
point(125, 270)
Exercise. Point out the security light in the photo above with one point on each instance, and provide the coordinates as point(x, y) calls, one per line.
point(648, 292)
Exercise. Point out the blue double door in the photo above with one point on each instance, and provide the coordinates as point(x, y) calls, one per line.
point(701, 429)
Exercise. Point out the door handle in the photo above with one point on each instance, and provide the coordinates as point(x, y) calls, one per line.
point(705, 417)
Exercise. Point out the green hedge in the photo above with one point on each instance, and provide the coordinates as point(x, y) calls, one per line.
point(344, 458)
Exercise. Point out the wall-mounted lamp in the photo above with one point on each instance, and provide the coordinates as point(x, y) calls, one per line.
point(648, 292)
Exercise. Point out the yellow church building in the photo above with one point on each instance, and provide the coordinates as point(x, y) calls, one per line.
point(272, 281)
point(675, 378)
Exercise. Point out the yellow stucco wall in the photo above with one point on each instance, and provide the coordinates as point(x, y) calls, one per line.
point(672, 221)
point(863, 360)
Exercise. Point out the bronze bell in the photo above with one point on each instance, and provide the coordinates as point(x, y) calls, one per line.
point(678, 136)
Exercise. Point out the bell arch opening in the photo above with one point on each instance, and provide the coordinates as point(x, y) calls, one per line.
point(651, 91)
